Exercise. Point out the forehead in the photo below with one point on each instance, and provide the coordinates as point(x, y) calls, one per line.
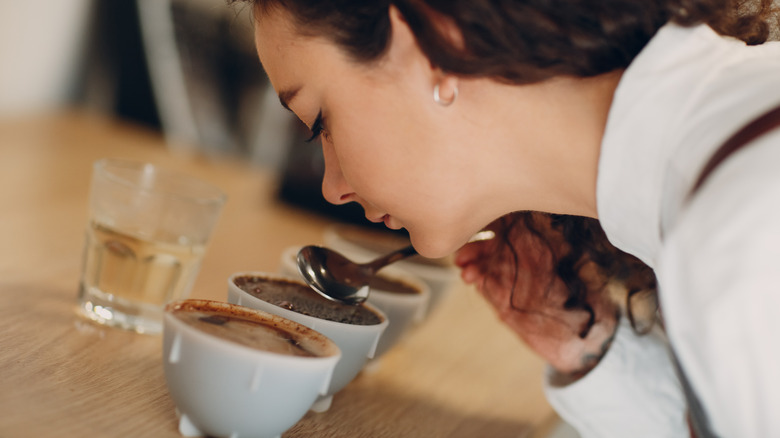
point(276, 39)
point(286, 55)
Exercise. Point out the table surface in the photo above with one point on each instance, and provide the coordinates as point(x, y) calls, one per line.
point(459, 374)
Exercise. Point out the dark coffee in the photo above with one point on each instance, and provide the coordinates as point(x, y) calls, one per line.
point(245, 328)
point(299, 297)
point(387, 284)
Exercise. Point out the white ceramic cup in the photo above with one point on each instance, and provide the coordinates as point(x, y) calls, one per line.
point(365, 245)
point(403, 310)
point(225, 388)
point(357, 342)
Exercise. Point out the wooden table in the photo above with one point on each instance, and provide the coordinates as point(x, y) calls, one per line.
point(460, 374)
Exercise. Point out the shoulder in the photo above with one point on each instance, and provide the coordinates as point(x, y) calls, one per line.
point(740, 198)
point(718, 280)
point(734, 216)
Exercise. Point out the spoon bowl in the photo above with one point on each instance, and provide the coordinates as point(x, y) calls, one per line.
point(337, 278)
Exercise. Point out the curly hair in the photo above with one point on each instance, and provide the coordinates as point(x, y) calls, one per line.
point(587, 243)
point(520, 41)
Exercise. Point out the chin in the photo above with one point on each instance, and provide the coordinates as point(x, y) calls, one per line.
point(434, 246)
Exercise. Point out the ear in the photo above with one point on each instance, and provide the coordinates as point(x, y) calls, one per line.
point(403, 44)
point(404, 47)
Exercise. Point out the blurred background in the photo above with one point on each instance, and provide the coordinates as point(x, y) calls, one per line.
point(186, 68)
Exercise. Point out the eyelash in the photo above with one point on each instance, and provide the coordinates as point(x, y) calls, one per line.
point(316, 128)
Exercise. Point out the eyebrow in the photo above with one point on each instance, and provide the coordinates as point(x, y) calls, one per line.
point(285, 96)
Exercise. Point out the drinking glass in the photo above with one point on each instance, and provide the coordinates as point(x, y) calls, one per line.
point(147, 233)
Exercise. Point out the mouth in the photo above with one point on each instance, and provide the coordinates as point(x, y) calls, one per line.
point(378, 219)
point(387, 221)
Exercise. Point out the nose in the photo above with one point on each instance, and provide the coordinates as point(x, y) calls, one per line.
point(335, 188)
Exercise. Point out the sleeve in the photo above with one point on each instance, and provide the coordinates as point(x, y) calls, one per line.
point(632, 392)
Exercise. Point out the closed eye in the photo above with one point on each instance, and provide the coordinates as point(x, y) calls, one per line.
point(316, 128)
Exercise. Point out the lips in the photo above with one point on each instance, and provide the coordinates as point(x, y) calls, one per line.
point(387, 219)
point(391, 223)
point(378, 219)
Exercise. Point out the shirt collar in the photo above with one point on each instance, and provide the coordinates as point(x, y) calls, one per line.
point(648, 120)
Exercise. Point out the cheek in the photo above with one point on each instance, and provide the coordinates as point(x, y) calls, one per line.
point(391, 156)
point(376, 153)
point(405, 174)
point(369, 165)
point(429, 200)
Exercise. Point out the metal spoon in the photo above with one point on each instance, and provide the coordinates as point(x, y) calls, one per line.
point(337, 278)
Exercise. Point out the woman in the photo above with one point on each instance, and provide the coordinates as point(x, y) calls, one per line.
point(441, 116)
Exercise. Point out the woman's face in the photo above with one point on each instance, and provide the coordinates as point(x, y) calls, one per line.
point(387, 144)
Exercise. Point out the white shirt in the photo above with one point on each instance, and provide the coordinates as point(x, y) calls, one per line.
point(717, 258)
point(632, 393)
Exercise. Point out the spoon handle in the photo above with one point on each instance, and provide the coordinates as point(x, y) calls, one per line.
point(392, 257)
point(373, 266)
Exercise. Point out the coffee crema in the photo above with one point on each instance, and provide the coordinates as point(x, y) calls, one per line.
point(300, 298)
point(244, 329)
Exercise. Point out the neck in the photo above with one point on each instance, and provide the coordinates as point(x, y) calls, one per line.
point(548, 140)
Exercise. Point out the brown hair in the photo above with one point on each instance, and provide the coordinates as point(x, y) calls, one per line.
point(619, 277)
point(521, 41)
